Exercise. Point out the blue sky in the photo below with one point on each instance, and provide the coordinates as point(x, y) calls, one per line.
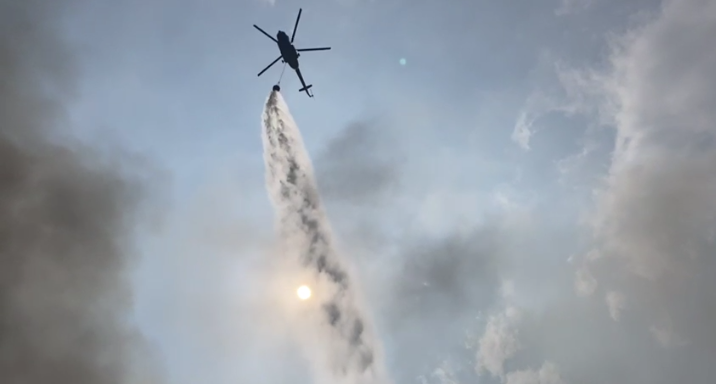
point(174, 83)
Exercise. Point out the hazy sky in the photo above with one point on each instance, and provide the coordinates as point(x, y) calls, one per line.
point(529, 199)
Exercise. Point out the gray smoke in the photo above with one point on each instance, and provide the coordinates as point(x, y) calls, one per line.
point(348, 349)
point(65, 218)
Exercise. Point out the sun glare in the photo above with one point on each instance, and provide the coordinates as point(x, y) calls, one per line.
point(303, 292)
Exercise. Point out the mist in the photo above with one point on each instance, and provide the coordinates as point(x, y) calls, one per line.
point(336, 329)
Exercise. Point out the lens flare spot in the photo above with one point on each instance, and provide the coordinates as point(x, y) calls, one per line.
point(303, 292)
point(403, 61)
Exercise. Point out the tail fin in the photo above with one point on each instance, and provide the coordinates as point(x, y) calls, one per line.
point(306, 88)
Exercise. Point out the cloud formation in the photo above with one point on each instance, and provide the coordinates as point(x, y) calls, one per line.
point(641, 302)
point(547, 374)
point(655, 219)
point(498, 343)
point(567, 7)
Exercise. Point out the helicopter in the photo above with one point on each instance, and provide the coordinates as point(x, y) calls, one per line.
point(289, 53)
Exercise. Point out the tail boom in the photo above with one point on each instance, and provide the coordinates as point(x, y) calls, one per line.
point(305, 87)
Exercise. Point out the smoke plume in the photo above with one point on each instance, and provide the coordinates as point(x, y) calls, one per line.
point(64, 222)
point(655, 220)
point(341, 340)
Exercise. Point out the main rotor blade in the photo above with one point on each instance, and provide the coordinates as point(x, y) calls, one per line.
point(269, 66)
point(295, 27)
point(313, 49)
point(267, 35)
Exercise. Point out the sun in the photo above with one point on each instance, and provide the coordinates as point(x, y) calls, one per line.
point(303, 292)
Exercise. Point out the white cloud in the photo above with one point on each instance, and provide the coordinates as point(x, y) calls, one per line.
point(547, 374)
point(498, 343)
point(523, 131)
point(445, 374)
point(507, 289)
point(655, 218)
point(537, 105)
point(616, 302)
point(666, 336)
point(568, 164)
point(575, 93)
point(567, 7)
point(584, 282)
